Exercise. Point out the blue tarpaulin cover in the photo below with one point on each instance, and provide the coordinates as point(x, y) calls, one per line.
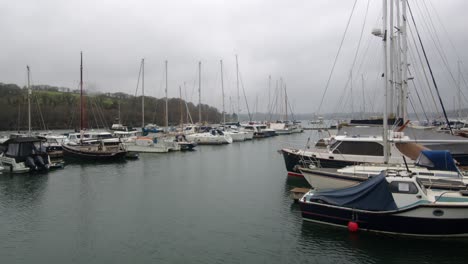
point(371, 195)
point(436, 160)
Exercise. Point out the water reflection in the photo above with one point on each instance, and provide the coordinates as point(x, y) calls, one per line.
point(21, 189)
point(336, 244)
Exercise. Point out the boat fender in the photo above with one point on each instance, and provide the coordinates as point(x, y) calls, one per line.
point(353, 226)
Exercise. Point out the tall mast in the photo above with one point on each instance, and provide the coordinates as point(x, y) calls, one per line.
point(238, 95)
point(29, 102)
point(120, 122)
point(459, 90)
point(392, 64)
point(81, 93)
point(269, 95)
point(256, 107)
point(404, 68)
point(398, 63)
point(167, 113)
point(351, 95)
point(230, 107)
point(199, 92)
point(286, 103)
point(363, 97)
point(222, 90)
point(385, 79)
point(143, 92)
point(181, 108)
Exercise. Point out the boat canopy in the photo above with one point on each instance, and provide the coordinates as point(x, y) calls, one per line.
point(436, 160)
point(372, 195)
point(24, 140)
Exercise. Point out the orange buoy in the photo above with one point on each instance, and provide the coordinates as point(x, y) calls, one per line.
point(353, 226)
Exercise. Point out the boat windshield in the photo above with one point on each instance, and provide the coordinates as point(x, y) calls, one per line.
point(357, 148)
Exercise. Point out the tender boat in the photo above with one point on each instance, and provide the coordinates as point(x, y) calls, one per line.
point(184, 143)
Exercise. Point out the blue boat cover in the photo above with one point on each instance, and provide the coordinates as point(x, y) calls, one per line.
point(436, 160)
point(370, 195)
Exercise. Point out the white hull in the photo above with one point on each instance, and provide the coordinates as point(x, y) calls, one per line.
point(283, 131)
point(10, 165)
point(147, 149)
point(236, 136)
point(209, 139)
point(248, 135)
point(319, 181)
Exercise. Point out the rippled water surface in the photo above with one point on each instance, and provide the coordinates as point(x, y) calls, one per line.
point(219, 204)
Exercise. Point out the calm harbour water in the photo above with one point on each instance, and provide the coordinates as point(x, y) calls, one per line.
point(218, 204)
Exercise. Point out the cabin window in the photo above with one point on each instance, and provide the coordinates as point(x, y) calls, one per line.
point(26, 149)
point(403, 187)
point(424, 161)
point(358, 148)
point(13, 149)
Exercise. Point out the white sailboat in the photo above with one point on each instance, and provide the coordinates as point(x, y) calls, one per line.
point(153, 142)
point(211, 136)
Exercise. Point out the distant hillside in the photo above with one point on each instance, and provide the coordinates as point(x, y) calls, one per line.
point(58, 108)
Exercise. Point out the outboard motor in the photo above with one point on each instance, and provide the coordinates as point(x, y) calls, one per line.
point(40, 163)
point(30, 163)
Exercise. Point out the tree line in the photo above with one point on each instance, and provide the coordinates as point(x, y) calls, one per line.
point(59, 108)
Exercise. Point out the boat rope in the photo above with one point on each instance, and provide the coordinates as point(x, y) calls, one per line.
point(430, 70)
point(424, 73)
point(336, 58)
point(245, 97)
point(419, 98)
point(436, 40)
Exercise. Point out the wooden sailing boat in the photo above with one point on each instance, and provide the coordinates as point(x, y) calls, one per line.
point(93, 150)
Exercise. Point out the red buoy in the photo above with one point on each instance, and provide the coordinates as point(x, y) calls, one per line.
point(353, 226)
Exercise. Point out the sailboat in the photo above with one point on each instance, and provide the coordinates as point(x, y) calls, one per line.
point(92, 149)
point(235, 134)
point(436, 169)
point(391, 202)
point(153, 140)
point(211, 136)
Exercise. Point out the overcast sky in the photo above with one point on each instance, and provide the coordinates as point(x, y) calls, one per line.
point(293, 40)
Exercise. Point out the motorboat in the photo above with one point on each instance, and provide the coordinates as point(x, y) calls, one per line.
point(24, 154)
point(390, 203)
point(212, 137)
point(184, 143)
